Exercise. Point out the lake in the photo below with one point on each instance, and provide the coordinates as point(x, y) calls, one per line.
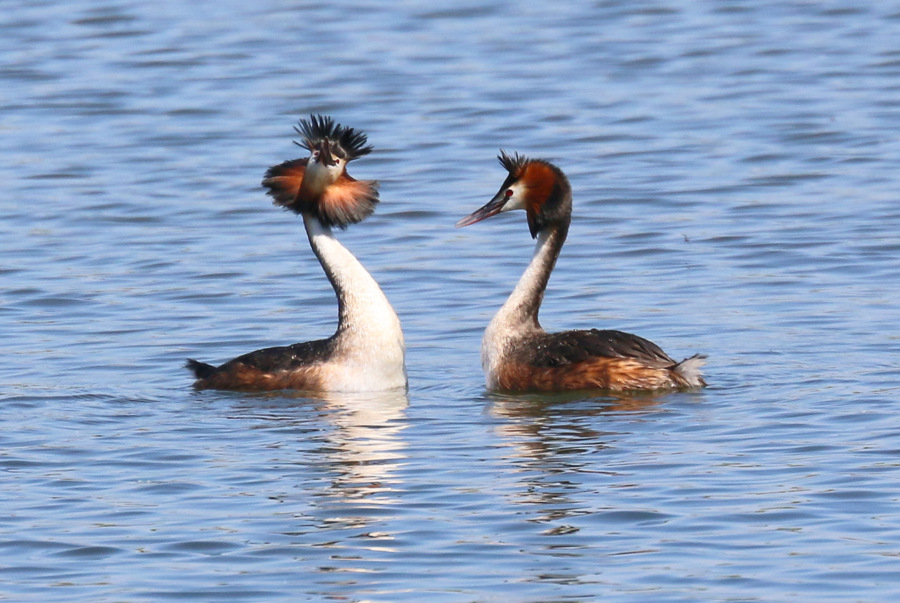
point(735, 174)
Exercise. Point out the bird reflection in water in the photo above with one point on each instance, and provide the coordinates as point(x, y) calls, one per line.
point(357, 435)
point(367, 444)
point(557, 439)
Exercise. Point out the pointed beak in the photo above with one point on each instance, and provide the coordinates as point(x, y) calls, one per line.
point(492, 208)
point(325, 155)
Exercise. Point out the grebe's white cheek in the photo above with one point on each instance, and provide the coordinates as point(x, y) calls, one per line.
point(517, 199)
point(321, 172)
point(313, 167)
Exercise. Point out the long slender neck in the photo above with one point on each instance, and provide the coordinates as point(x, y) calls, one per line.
point(522, 307)
point(361, 303)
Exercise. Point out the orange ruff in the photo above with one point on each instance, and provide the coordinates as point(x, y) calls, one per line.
point(540, 179)
point(284, 180)
point(348, 200)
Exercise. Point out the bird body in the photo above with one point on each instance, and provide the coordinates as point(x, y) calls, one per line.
point(517, 354)
point(367, 351)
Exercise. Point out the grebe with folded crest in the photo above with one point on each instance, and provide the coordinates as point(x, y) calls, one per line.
point(516, 353)
point(367, 351)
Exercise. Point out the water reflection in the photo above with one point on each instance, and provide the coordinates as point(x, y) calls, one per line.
point(334, 469)
point(551, 426)
point(354, 436)
point(589, 403)
point(367, 447)
point(555, 440)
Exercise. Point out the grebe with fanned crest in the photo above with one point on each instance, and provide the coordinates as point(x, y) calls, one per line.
point(516, 353)
point(367, 351)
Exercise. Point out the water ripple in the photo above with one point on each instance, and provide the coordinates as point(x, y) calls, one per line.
point(733, 169)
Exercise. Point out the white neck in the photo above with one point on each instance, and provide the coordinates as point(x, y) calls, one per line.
point(518, 316)
point(370, 346)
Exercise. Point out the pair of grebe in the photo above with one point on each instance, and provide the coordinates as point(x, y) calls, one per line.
point(367, 351)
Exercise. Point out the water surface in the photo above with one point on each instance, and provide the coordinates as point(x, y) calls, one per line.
point(734, 168)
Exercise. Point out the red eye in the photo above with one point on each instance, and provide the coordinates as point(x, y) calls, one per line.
point(509, 192)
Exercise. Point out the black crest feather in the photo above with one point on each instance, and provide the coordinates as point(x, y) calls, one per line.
point(346, 143)
point(513, 163)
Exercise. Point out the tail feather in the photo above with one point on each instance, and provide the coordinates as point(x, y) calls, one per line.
point(689, 370)
point(201, 370)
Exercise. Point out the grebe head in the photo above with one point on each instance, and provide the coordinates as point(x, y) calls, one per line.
point(320, 185)
point(535, 185)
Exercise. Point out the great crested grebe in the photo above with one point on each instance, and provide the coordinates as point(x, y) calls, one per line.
point(366, 353)
point(517, 354)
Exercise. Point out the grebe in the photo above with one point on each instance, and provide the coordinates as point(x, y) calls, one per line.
point(366, 353)
point(516, 353)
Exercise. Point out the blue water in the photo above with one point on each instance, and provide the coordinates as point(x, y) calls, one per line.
point(735, 168)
